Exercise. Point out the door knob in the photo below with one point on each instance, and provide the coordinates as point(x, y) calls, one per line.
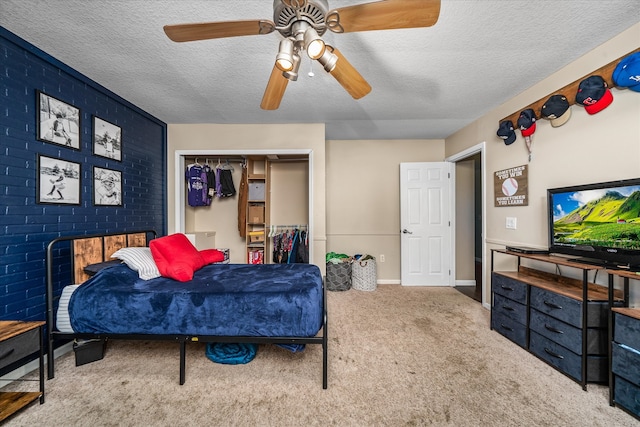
point(405, 231)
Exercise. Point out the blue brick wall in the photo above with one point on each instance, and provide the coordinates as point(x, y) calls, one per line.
point(26, 226)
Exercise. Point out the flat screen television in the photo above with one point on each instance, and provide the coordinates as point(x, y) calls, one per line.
point(599, 223)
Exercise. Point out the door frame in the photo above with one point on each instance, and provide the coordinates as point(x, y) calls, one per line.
point(462, 155)
point(180, 164)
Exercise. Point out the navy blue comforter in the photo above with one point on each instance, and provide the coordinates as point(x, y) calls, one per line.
point(222, 299)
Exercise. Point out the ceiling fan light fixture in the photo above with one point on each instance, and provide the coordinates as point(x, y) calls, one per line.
point(313, 43)
point(328, 60)
point(284, 58)
point(292, 74)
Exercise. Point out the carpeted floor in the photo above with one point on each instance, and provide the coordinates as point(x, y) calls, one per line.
point(397, 357)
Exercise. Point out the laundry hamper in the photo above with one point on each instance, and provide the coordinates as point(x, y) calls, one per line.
point(338, 276)
point(363, 275)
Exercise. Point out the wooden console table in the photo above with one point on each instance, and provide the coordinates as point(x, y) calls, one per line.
point(17, 341)
point(561, 320)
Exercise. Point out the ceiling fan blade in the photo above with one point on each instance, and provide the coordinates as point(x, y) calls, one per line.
point(216, 30)
point(275, 90)
point(349, 77)
point(384, 15)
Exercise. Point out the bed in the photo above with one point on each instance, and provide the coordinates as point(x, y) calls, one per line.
point(281, 304)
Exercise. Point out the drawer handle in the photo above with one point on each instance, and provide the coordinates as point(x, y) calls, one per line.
point(552, 305)
point(506, 327)
point(506, 307)
point(506, 288)
point(6, 354)
point(556, 355)
point(552, 329)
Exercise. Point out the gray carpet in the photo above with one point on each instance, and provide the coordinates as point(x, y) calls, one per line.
point(397, 357)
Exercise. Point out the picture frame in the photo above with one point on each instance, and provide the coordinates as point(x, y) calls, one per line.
point(107, 187)
point(107, 139)
point(58, 122)
point(58, 181)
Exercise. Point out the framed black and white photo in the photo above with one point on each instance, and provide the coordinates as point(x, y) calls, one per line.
point(107, 139)
point(107, 187)
point(58, 181)
point(58, 122)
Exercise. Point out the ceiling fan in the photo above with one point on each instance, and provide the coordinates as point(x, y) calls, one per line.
point(302, 24)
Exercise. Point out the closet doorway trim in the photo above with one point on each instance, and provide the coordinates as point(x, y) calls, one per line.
point(180, 164)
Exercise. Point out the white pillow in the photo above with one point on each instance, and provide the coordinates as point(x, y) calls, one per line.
point(140, 260)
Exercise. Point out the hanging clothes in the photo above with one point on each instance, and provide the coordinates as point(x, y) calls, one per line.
point(243, 195)
point(205, 191)
point(293, 253)
point(197, 188)
point(290, 247)
point(211, 183)
point(303, 249)
point(226, 187)
point(282, 246)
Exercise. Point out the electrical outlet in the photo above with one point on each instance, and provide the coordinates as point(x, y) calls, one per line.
point(511, 223)
point(381, 257)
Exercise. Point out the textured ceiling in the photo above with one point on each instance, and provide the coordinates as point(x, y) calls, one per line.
point(427, 82)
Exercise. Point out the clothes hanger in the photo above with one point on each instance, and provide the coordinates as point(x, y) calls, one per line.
point(227, 166)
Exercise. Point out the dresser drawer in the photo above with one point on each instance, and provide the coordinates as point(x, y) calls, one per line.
point(567, 335)
point(625, 362)
point(509, 287)
point(511, 329)
point(626, 330)
point(627, 395)
point(510, 308)
point(20, 346)
point(567, 361)
point(568, 309)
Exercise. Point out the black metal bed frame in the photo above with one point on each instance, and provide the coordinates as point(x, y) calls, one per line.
point(182, 339)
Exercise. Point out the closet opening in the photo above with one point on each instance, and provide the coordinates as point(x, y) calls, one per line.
point(276, 208)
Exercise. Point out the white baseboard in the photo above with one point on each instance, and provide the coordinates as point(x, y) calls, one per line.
point(388, 282)
point(33, 365)
point(465, 283)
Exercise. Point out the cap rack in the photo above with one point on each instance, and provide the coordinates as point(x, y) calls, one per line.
point(571, 89)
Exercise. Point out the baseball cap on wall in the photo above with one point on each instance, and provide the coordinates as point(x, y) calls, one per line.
point(594, 94)
point(506, 132)
point(627, 72)
point(557, 110)
point(527, 122)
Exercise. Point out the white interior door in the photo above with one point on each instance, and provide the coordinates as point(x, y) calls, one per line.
point(425, 224)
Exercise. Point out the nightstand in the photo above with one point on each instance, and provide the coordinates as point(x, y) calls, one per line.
point(17, 341)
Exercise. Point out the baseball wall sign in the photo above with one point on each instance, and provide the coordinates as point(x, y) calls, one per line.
point(510, 187)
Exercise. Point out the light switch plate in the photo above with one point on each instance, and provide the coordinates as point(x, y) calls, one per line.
point(511, 223)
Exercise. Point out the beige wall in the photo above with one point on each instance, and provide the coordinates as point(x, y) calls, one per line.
point(588, 148)
point(464, 220)
point(356, 191)
point(289, 193)
point(363, 197)
point(207, 138)
point(362, 205)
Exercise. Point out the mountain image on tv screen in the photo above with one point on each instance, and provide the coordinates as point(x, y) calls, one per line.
point(605, 218)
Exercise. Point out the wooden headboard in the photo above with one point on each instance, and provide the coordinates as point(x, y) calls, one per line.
point(97, 249)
